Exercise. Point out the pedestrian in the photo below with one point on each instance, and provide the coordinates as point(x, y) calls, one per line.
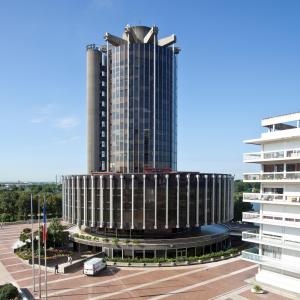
point(71, 259)
point(56, 269)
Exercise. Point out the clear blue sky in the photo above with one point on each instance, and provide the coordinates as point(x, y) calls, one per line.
point(240, 62)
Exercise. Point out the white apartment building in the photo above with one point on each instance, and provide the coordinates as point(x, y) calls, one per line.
point(277, 250)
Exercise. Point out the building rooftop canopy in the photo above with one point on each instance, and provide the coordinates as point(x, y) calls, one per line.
point(140, 34)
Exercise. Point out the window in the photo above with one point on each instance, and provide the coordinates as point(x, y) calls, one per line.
point(103, 113)
point(103, 133)
point(103, 103)
point(103, 144)
point(103, 124)
point(103, 165)
point(102, 153)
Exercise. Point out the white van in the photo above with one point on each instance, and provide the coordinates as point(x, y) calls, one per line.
point(93, 266)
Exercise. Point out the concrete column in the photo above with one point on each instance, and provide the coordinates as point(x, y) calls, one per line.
point(205, 200)
point(219, 198)
point(213, 200)
point(231, 197)
point(144, 201)
point(167, 201)
point(93, 201)
point(121, 203)
point(94, 58)
point(132, 201)
point(73, 201)
point(111, 208)
point(69, 200)
point(188, 201)
point(224, 199)
point(78, 201)
point(178, 187)
point(228, 198)
point(84, 201)
point(101, 201)
point(197, 202)
point(63, 197)
point(155, 201)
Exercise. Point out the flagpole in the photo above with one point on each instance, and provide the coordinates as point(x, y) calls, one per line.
point(45, 243)
point(39, 246)
point(32, 244)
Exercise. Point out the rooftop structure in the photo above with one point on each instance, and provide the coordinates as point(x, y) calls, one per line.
point(278, 240)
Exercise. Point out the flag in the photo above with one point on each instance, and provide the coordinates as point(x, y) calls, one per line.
point(44, 223)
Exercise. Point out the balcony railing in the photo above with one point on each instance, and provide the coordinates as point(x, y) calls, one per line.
point(253, 256)
point(270, 155)
point(279, 220)
point(276, 241)
point(272, 176)
point(274, 198)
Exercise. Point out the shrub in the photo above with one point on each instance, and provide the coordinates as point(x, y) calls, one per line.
point(115, 241)
point(8, 291)
point(27, 230)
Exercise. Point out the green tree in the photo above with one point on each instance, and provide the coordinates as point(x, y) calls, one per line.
point(56, 233)
point(23, 205)
point(8, 292)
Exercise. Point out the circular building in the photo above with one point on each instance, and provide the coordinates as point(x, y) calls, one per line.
point(162, 213)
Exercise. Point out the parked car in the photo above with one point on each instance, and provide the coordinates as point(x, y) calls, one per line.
point(94, 265)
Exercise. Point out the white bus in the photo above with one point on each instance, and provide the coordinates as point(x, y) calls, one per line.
point(93, 266)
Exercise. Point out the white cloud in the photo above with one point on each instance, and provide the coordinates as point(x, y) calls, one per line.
point(66, 122)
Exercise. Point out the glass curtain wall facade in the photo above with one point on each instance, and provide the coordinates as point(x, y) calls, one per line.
point(131, 145)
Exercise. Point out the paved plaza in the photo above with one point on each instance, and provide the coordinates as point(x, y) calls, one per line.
point(219, 280)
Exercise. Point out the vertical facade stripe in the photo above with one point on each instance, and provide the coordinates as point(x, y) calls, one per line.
point(101, 201)
point(144, 201)
point(224, 199)
point(121, 202)
point(111, 195)
point(213, 199)
point(220, 198)
point(197, 201)
point(84, 201)
point(155, 201)
point(167, 202)
point(188, 201)
point(132, 201)
point(177, 204)
point(73, 201)
point(93, 201)
point(78, 201)
point(205, 200)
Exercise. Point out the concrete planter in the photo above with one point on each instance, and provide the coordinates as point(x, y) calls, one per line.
point(152, 264)
point(182, 263)
point(122, 264)
point(137, 264)
point(110, 263)
point(167, 264)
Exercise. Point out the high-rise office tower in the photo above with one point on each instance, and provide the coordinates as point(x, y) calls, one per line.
point(132, 102)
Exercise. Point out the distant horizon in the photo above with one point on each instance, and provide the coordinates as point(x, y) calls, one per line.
point(239, 63)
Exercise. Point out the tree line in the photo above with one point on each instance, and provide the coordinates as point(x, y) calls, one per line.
point(15, 201)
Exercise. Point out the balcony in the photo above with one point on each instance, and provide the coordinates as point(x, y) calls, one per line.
point(279, 155)
point(254, 256)
point(278, 220)
point(272, 177)
point(271, 198)
point(276, 241)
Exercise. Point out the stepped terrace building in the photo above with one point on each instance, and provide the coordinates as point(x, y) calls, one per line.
point(277, 248)
point(132, 189)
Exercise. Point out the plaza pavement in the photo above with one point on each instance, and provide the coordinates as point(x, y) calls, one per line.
point(214, 281)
